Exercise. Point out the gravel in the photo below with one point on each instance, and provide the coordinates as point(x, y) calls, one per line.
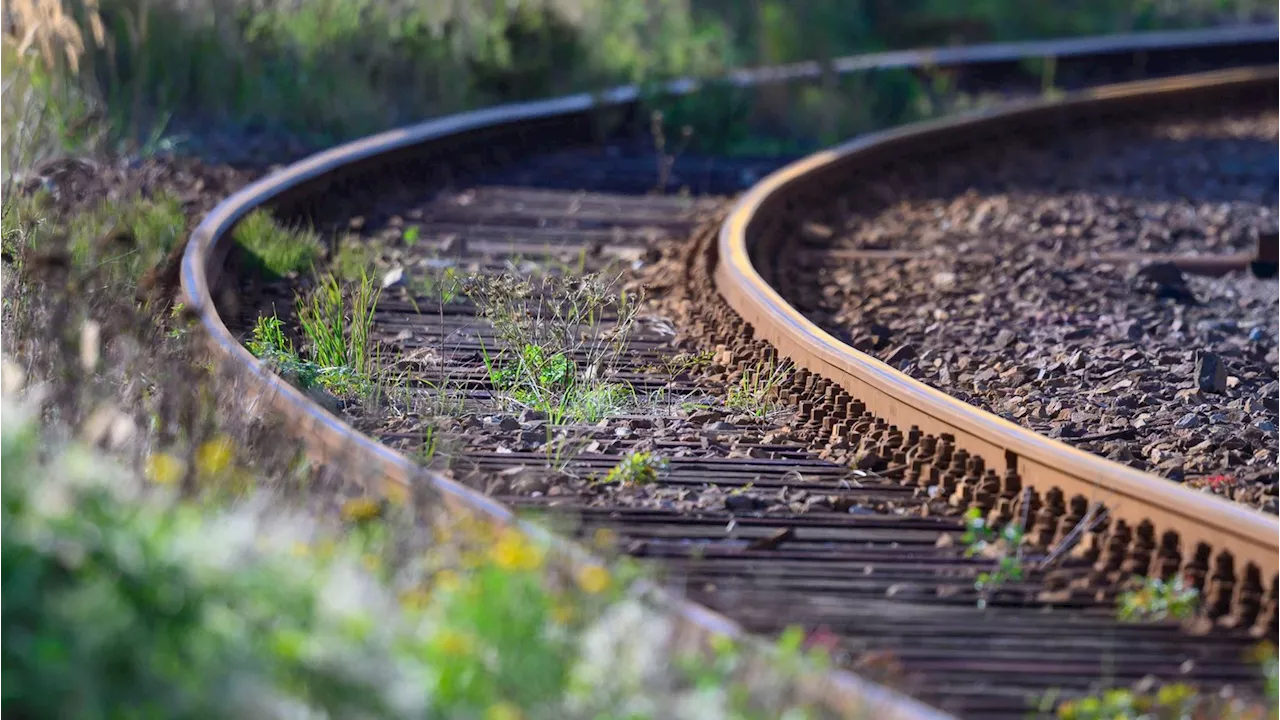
point(1003, 301)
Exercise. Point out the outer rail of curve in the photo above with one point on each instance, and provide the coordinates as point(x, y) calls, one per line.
point(771, 209)
point(439, 149)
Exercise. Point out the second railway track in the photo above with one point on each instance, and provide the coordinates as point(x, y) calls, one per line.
point(762, 514)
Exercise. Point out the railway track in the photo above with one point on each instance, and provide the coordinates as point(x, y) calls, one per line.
point(766, 516)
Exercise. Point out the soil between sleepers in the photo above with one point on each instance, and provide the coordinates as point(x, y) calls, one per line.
point(1000, 294)
point(758, 517)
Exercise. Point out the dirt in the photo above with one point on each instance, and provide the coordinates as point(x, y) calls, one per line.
point(999, 296)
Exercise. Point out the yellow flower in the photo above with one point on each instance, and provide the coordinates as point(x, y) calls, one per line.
point(592, 579)
point(503, 711)
point(453, 643)
point(371, 562)
point(164, 469)
point(361, 509)
point(300, 549)
point(513, 551)
point(215, 456)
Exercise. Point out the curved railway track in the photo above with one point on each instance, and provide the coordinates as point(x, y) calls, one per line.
point(758, 522)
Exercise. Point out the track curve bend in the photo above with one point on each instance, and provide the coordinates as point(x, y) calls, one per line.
point(1245, 544)
point(437, 152)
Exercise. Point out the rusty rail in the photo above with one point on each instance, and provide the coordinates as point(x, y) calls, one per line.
point(438, 150)
point(1245, 545)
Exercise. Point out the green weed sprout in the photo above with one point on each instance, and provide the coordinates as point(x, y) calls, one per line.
point(981, 539)
point(638, 468)
point(1158, 600)
point(277, 249)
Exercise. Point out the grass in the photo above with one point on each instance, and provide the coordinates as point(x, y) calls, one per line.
point(277, 612)
point(1176, 701)
point(125, 73)
point(277, 249)
point(756, 392)
point(337, 323)
point(543, 325)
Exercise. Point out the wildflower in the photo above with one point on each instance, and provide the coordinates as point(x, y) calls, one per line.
point(164, 469)
point(371, 562)
point(512, 551)
point(361, 509)
point(502, 711)
point(214, 456)
point(592, 579)
point(300, 549)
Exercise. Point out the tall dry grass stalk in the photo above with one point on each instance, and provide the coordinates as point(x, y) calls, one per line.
point(51, 29)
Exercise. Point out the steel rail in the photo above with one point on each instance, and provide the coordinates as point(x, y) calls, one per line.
point(435, 151)
point(766, 214)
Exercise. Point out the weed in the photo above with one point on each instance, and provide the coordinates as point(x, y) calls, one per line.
point(666, 161)
point(682, 363)
point(274, 248)
point(638, 468)
point(270, 345)
point(338, 333)
point(1004, 546)
point(756, 391)
point(543, 326)
point(1155, 600)
point(1177, 701)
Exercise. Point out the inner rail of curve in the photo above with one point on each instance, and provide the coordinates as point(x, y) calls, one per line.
point(441, 151)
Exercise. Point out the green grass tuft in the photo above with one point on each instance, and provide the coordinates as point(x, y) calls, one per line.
point(276, 249)
point(338, 325)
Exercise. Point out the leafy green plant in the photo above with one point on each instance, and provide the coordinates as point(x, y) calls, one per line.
point(277, 249)
point(1004, 546)
point(1155, 600)
point(637, 468)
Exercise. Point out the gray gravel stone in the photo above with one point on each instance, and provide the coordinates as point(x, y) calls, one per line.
point(1211, 375)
